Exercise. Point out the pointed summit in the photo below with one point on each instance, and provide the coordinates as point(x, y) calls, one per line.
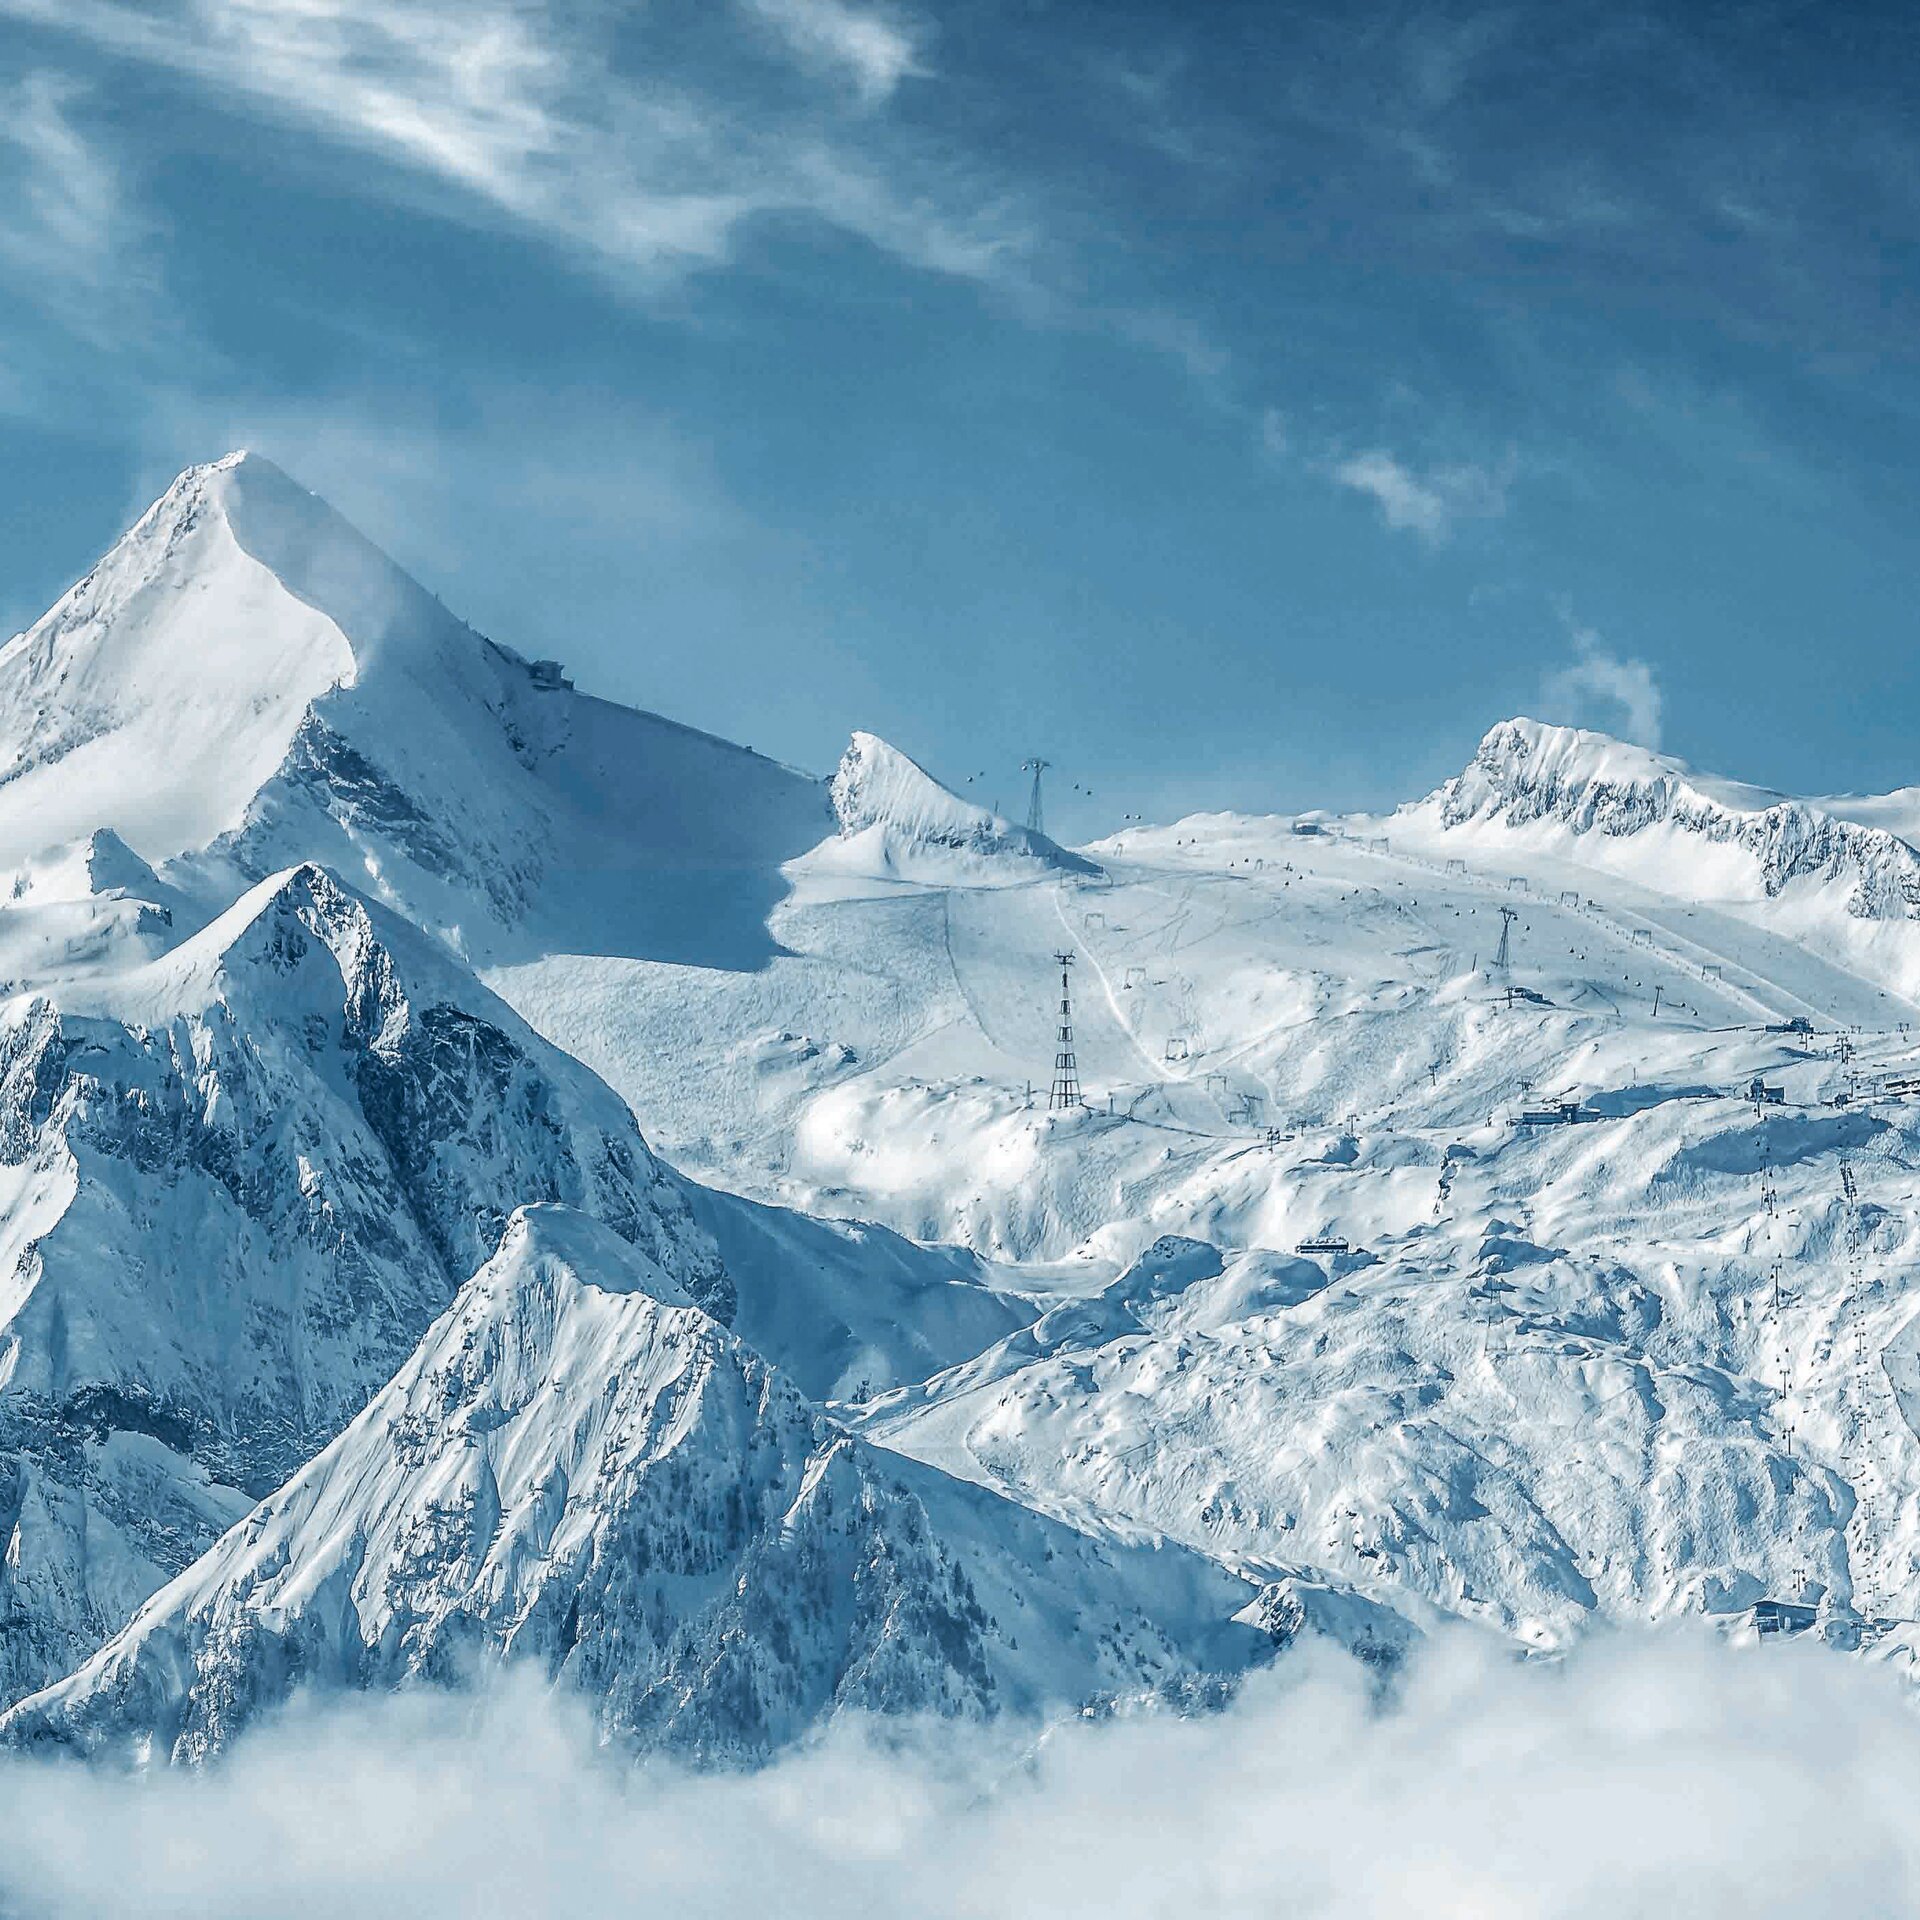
point(580, 1470)
point(245, 682)
point(160, 693)
point(898, 822)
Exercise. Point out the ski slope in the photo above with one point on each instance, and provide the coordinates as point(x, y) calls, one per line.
point(1555, 1380)
point(1496, 1210)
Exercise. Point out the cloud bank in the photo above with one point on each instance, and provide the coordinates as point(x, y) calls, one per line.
point(1643, 1777)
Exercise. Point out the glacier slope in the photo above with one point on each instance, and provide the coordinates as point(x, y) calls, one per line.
point(1404, 1421)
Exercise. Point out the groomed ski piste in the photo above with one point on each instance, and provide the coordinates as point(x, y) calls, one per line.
point(1496, 1210)
point(1595, 1346)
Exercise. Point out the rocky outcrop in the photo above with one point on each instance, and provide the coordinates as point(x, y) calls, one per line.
point(581, 1471)
point(1525, 773)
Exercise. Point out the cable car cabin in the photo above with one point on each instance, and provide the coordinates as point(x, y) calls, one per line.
point(1325, 1245)
point(1782, 1616)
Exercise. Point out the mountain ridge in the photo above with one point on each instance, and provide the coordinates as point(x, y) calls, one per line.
point(580, 1468)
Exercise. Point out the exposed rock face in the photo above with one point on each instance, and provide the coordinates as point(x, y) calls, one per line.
point(1525, 773)
point(580, 1469)
point(242, 1180)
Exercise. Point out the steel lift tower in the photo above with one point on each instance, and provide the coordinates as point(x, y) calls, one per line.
point(1065, 1091)
point(1036, 766)
point(1504, 957)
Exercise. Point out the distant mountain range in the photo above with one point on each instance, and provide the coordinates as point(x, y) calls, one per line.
point(351, 1332)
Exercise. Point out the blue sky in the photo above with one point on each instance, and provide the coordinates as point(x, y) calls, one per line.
point(1244, 404)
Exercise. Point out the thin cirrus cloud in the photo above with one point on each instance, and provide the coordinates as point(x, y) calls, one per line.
point(523, 116)
point(64, 220)
point(1431, 502)
point(874, 50)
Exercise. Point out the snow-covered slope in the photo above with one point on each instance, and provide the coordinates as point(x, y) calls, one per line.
point(238, 1181)
point(1670, 826)
point(245, 682)
point(1423, 1246)
point(1553, 1383)
point(849, 1309)
point(161, 693)
point(580, 1470)
point(899, 823)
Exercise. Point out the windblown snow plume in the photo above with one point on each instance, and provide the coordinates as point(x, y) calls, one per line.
point(1642, 1779)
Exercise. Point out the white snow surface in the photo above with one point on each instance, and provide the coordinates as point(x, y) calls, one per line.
point(581, 1469)
point(245, 682)
point(898, 823)
point(1393, 1279)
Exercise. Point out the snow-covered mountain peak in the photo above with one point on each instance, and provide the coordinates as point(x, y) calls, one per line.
point(160, 692)
point(253, 953)
point(558, 1251)
point(573, 1470)
point(1589, 798)
point(1522, 755)
point(317, 556)
point(898, 822)
point(245, 682)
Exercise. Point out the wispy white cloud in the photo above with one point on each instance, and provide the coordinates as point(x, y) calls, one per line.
point(521, 113)
point(1641, 1777)
point(876, 51)
point(68, 234)
point(1600, 688)
point(1430, 502)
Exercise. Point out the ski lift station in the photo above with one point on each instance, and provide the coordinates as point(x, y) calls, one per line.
point(1325, 1243)
point(548, 676)
point(1782, 1616)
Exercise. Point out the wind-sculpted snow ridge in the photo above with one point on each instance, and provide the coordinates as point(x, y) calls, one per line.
point(898, 822)
point(238, 1182)
point(580, 1470)
point(245, 682)
point(1529, 775)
